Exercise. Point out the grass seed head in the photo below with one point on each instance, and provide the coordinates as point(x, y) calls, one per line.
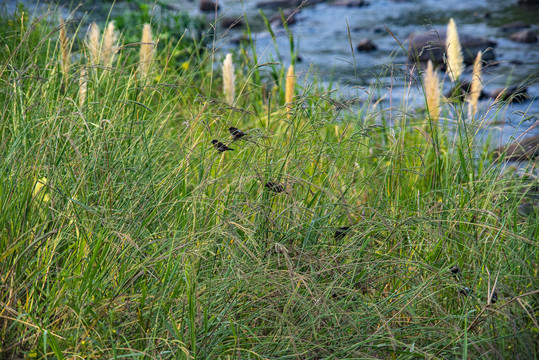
point(475, 87)
point(146, 50)
point(455, 62)
point(229, 79)
point(432, 91)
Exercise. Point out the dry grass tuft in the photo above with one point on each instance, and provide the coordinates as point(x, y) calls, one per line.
point(110, 40)
point(289, 89)
point(229, 79)
point(475, 87)
point(432, 91)
point(146, 51)
point(92, 43)
point(455, 62)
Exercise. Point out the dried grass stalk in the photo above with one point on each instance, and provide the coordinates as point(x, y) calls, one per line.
point(229, 79)
point(432, 91)
point(476, 86)
point(146, 50)
point(289, 88)
point(92, 43)
point(455, 62)
point(64, 49)
point(83, 87)
point(110, 40)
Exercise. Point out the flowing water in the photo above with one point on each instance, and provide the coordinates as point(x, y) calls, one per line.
point(325, 37)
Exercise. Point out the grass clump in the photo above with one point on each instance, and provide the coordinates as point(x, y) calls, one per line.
point(125, 233)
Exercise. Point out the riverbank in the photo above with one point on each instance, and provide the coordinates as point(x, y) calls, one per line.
point(127, 231)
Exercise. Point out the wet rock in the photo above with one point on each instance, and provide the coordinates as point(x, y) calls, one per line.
point(350, 3)
point(461, 90)
point(289, 17)
point(524, 36)
point(431, 46)
point(231, 22)
point(512, 93)
point(366, 45)
point(514, 26)
point(276, 4)
point(526, 149)
point(208, 5)
point(529, 3)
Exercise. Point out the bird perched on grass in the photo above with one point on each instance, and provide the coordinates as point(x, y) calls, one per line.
point(341, 232)
point(236, 133)
point(275, 187)
point(220, 146)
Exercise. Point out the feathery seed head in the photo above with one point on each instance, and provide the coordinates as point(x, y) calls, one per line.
point(110, 39)
point(64, 48)
point(146, 50)
point(455, 62)
point(289, 87)
point(475, 87)
point(228, 79)
point(92, 42)
point(432, 91)
point(83, 87)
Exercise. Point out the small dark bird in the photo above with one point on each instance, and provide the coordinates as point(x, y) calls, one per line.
point(494, 297)
point(454, 270)
point(236, 133)
point(220, 146)
point(341, 232)
point(275, 187)
point(465, 291)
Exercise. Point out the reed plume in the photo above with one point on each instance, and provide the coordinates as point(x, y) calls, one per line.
point(83, 87)
point(455, 62)
point(146, 50)
point(432, 91)
point(228, 79)
point(64, 49)
point(93, 44)
point(289, 88)
point(475, 87)
point(110, 39)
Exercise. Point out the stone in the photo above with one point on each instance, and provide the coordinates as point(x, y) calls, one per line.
point(460, 90)
point(208, 5)
point(512, 93)
point(524, 36)
point(350, 3)
point(526, 149)
point(231, 22)
point(514, 26)
point(431, 46)
point(289, 17)
point(276, 4)
point(366, 45)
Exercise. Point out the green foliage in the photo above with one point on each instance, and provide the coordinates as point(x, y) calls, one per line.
point(124, 233)
point(194, 32)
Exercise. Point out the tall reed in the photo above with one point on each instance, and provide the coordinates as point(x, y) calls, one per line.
point(64, 49)
point(432, 91)
point(110, 40)
point(83, 87)
point(146, 51)
point(455, 62)
point(229, 79)
point(93, 44)
point(289, 88)
point(475, 87)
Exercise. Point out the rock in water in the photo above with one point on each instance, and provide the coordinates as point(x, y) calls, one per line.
point(431, 46)
point(366, 45)
point(512, 93)
point(526, 149)
point(524, 36)
point(208, 5)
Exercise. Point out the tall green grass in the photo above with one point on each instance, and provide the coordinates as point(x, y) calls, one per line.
point(144, 242)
